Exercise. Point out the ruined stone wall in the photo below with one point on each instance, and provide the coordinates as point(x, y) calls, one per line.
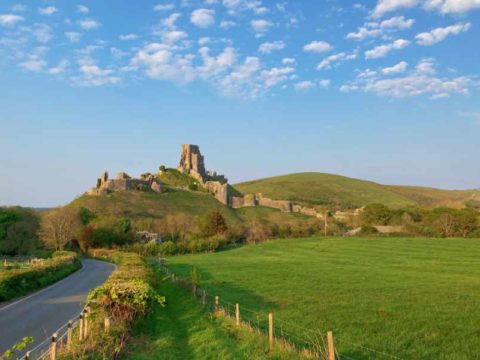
point(123, 182)
point(218, 190)
point(237, 202)
point(283, 205)
point(305, 210)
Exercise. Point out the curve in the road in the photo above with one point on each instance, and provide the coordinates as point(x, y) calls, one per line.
point(42, 313)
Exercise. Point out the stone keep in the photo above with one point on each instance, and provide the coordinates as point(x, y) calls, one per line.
point(192, 163)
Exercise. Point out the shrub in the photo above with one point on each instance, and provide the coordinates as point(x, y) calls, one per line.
point(368, 230)
point(376, 214)
point(212, 224)
point(168, 248)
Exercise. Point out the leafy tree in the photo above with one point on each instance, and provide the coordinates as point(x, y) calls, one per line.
point(168, 248)
point(162, 168)
point(124, 225)
point(442, 221)
point(213, 224)
point(466, 222)
point(86, 216)
point(376, 214)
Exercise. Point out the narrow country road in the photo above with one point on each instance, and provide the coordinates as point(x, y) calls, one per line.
point(42, 313)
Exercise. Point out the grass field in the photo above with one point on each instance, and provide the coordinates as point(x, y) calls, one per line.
point(184, 330)
point(408, 297)
point(338, 191)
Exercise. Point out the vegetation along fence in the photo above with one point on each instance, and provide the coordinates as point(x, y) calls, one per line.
point(75, 330)
point(317, 344)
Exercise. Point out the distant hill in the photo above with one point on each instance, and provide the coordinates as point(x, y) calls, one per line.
point(334, 191)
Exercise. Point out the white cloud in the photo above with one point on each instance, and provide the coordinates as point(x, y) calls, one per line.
point(10, 20)
point(261, 25)
point(397, 22)
point(386, 6)
point(73, 36)
point(452, 6)
point(235, 6)
point(203, 18)
point(442, 6)
point(268, 47)
point(440, 34)
point(93, 75)
point(225, 24)
point(364, 33)
point(83, 9)
point(163, 7)
point(89, 24)
point(395, 69)
point(49, 10)
point(475, 115)
point(42, 33)
point(383, 50)
point(318, 47)
point(171, 20)
point(325, 83)
point(127, 37)
point(375, 29)
point(60, 68)
point(422, 80)
point(335, 58)
point(161, 63)
point(304, 85)
point(35, 61)
point(171, 37)
point(288, 61)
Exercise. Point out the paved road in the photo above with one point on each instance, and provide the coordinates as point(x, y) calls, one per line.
point(42, 313)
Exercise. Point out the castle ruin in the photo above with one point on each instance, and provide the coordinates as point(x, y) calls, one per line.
point(123, 182)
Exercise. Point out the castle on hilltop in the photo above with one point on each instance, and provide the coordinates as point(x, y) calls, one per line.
point(192, 164)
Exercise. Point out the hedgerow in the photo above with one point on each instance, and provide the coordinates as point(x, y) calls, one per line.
point(16, 281)
point(126, 296)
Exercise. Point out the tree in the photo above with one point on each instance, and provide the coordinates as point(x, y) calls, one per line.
point(376, 214)
point(86, 216)
point(59, 227)
point(466, 221)
point(213, 224)
point(178, 226)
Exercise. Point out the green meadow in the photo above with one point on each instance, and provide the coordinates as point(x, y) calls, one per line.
point(383, 298)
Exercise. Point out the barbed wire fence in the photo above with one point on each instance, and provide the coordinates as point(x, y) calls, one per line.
point(314, 344)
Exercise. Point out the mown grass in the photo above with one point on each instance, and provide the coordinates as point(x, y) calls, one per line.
point(184, 330)
point(409, 297)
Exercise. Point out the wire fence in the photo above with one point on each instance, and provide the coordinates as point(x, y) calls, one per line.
point(313, 343)
point(60, 339)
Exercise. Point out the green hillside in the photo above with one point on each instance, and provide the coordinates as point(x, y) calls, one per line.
point(324, 190)
point(319, 189)
point(138, 205)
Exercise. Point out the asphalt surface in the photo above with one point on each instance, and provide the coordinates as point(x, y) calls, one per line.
point(39, 315)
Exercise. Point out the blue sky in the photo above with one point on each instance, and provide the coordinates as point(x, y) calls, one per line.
point(386, 90)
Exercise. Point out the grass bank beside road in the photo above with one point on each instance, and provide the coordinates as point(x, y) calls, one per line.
point(412, 298)
point(20, 279)
point(184, 330)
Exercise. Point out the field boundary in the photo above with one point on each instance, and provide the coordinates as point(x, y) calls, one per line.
point(318, 345)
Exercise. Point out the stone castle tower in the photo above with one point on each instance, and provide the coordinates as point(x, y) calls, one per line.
point(192, 163)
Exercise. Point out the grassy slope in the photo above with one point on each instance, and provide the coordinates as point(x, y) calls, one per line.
point(138, 205)
point(414, 298)
point(334, 190)
point(183, 330)
point(324, 189)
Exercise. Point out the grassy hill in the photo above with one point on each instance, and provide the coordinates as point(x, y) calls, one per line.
point(327, 190)
point(138, 205)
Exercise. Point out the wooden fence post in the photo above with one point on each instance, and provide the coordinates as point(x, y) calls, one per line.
point(204, 297)
point(69, 334)
point(27, 356)
point(53, 347)
point(331, 346)
point(270, 330)
point(80, 327)
point(107, 324)
point(237, 314)
point(85, 323)
point(215, 309)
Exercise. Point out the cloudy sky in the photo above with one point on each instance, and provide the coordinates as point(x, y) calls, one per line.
point(386, 90)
